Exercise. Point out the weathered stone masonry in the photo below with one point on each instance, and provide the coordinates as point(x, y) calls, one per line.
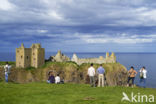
point(100, 60)
point(30, 57)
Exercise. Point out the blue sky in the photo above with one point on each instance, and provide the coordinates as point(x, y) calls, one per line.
point(79, 25)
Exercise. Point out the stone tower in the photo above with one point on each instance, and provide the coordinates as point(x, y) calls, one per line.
point(37, 55)
point(23, 56)
point(74, 58)
point(101, 57)
point(58, 56)
point(113, 57)
point(30, 57)
point(107, 55)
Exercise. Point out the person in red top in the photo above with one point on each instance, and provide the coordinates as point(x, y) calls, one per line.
point(132, 73)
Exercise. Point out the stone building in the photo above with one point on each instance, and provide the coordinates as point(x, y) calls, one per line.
point(59, 57)
point(100, 60)
point(30, 57)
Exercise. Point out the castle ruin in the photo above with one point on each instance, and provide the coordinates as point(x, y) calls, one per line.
point(59, 57)
point(100, 60)
point(30, 57)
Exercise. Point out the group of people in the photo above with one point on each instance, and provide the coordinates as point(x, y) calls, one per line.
point(53, 79)
point(91, 73)
point(132, 74)
point(100, 71)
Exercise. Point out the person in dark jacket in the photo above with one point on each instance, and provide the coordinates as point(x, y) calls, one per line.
point(51, 78)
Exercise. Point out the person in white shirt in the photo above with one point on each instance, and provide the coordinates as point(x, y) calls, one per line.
point(91, 74)
point(7, 71)
point(57, 79)
point(143, 76)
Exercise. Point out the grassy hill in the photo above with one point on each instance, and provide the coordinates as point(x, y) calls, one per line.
point(116, 74)
point(42, 93)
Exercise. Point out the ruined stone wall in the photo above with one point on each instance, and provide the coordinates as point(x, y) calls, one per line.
point(27, 57)
point(40, 57)
point(23, 57)
point(19, 57)
point(90, 60)
point(100, 60)
point(34, 57)
point(59, 57)
point(110, 60)
point(30, 57)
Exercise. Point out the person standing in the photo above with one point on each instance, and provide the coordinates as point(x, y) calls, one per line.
point(132, 73)
point(57, 79)
point(101, 72)
point(143, 76)
point(91, 73)
point(7, 71)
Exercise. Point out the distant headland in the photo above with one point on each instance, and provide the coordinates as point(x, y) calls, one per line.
point(35, 57)
point(31, 66)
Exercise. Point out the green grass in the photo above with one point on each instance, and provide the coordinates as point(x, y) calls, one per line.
point(47, 64)
point(4, 63)
point(30, 68)
point(42, 93)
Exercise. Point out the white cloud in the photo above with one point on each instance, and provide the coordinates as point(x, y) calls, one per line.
point(55, 15)
point(120, 39)
point(42, 31)
point(80, 12)
point(94, 21)
point(6, 5)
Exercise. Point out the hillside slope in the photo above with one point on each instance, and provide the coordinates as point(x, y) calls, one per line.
point(116, 74)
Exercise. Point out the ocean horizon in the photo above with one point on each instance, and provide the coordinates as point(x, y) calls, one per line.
point(11, 56)
point(127, 59)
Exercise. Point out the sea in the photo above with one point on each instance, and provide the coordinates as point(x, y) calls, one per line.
point(137, 60)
